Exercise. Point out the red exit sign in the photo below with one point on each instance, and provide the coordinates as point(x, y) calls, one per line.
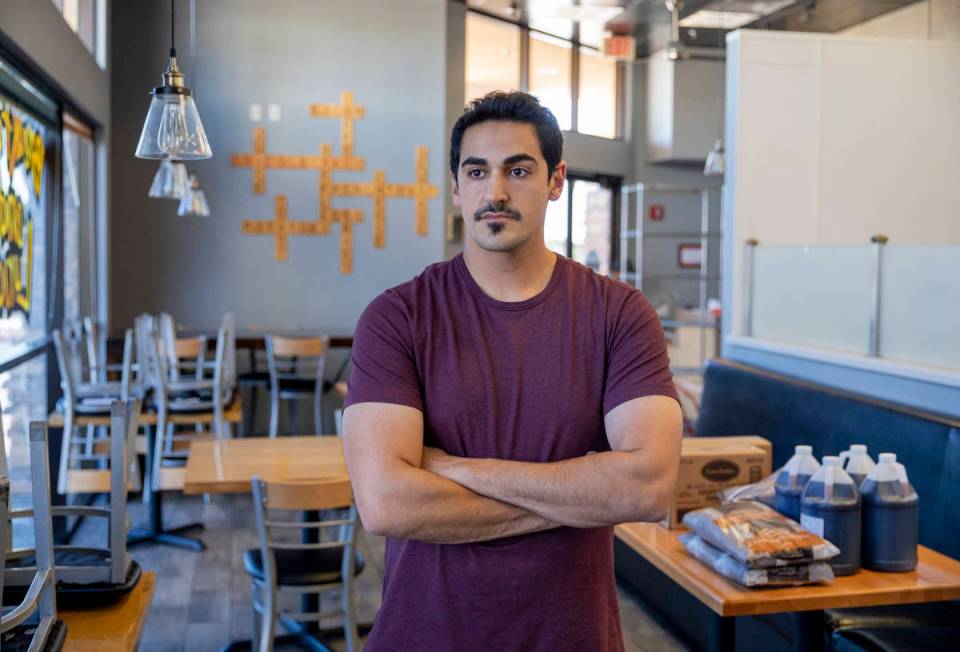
point(620, 46)
point(657, 212)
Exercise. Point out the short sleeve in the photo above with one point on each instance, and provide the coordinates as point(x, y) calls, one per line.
point(383, 361)
point(637, 362)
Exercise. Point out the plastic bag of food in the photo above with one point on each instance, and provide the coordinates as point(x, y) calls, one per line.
point(757, 535)
point(812, 573)
point(763, 491)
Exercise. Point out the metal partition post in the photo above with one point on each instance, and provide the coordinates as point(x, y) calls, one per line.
point(624, 229)
point(878, 241)
point(749, 253)
point(704, 271)
point(4, 499)
point(638, 241)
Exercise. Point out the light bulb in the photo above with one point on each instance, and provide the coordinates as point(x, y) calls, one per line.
point(173, 136)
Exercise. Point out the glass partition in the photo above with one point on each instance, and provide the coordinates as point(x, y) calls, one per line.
point(920, 305)
point(823, 297)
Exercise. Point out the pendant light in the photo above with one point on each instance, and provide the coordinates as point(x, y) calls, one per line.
point(715, 164)
point(195, 201)
point(170, 181)
point(172, 128)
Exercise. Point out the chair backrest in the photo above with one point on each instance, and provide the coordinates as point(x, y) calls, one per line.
point(189, 353)
point(167, 341)
point(68, 379)
point(153, 368)
point(331, 499)
point(41, 599)
point(296, 358)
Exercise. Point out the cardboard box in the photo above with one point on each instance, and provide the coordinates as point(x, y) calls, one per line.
point(724, 443)
point(709, 464)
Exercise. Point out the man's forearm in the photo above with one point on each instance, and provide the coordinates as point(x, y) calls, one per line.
point(592, 491)
point(424, 506)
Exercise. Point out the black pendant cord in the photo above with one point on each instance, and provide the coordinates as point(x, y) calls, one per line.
point(173, 50)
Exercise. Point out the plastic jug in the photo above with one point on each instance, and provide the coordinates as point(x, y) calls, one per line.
point(858, 463)
point(792, 479)
point(830, 508)
point(890, 517)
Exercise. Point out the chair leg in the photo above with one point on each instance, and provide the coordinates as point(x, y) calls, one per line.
point(318, 414)
point(269, 619)
point(274, 414)
point(293, 418)
point(257, 618)
point(65, 446)
point(349, 617)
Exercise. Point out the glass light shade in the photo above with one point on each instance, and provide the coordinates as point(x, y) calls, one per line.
point(171, 181)
point(195, 201)
point(173, 128)
point(715, 164)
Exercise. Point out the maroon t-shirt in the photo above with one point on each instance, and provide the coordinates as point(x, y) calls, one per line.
point(529, 381)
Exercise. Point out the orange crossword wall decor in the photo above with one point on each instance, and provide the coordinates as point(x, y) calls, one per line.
point(326, 163)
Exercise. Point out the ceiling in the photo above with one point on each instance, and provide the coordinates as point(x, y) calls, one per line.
point(703, 22)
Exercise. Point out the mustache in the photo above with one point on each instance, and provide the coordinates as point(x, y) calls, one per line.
point(497, 208)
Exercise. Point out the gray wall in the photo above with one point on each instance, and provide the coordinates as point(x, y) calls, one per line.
point(291, 53)
point(38, 29)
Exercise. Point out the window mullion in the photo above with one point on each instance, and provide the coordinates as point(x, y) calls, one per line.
point(575, 78)
point(525, 59)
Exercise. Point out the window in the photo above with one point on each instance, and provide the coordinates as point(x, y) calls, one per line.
point(492, 56)
point(541, 59)
point(550, 76)
point(81, 273)
point(597, 101)
point(81, 16)
point(579, 224)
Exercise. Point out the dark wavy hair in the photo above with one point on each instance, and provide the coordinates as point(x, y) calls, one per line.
point(515, 107)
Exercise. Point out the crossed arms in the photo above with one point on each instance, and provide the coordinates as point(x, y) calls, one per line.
point(408, 491)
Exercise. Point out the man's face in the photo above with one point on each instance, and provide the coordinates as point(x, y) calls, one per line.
point(502, 186)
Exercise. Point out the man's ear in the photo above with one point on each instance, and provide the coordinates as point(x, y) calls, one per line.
point(454, 191)
point(557, 179)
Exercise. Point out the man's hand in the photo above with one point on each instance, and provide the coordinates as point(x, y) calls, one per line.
point(399, 497)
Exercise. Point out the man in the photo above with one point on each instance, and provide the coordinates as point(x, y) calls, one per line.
point(505, 409)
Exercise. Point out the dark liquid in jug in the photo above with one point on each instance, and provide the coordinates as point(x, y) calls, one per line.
point(837, 520)
point(889, 526)
point(788, 492)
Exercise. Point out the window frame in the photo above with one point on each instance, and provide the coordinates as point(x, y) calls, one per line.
point(576, 44)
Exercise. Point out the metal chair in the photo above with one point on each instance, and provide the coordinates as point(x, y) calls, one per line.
point(39, 605)
point(296, 367)
point(280, 566)
point(77, 567)
point(83, 400)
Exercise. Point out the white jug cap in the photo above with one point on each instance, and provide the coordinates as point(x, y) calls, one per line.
point(831, 460)
point(858, 448)
point(803, 449)
point(887, 458)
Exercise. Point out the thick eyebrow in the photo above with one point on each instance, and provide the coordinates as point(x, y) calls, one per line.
point(510, 160)
point(517, 158)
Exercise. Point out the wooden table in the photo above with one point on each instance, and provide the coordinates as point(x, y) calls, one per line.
point(114, 628)
point(937, 577)
point(228, 465)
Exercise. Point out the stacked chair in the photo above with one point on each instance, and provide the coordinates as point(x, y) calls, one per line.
point(90, 573)
point(87, 396)
point(31, 624)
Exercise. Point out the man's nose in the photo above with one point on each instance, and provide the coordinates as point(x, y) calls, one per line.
point(496, 191)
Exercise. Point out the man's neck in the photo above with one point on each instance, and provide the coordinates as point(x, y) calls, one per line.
point(510, 275)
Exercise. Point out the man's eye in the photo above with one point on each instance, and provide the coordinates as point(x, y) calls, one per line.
point(475, 173)
point(519, 172)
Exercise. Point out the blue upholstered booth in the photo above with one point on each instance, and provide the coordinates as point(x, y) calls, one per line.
point(741, 400)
